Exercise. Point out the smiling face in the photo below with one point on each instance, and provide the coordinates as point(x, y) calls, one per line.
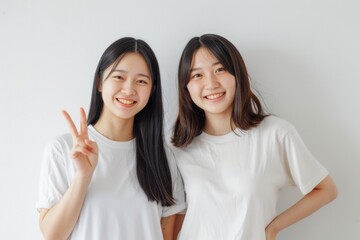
point(126, 88)
point(211, 86)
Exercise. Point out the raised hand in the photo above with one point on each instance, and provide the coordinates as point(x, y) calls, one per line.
point(84, 151)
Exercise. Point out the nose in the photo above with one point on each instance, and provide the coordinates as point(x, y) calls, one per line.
point(211, 82)
point(128, 88)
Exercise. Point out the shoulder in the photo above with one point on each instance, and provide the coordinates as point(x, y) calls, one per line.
point(275, 125)
point(175, 153)
point(56, 153)
point(59, 144)
point(272, 128)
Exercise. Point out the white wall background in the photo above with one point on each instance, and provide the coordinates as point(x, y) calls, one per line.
point(303, 57)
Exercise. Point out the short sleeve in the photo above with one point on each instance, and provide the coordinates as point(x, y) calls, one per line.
point(305, 170)
point(178, 188)
point(53, 182)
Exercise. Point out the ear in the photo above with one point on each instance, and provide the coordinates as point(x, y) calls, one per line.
point(153, 89)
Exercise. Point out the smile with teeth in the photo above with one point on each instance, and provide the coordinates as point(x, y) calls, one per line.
point(214, 96)
point(126, 101)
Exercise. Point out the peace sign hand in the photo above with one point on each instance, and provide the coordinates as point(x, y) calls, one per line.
point(84, 151)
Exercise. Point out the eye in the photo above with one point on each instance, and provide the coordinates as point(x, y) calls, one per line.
point(196, 75)
point(220, 70)
point(117, 77)
point(141, 82)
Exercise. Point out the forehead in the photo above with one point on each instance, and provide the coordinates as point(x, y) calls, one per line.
point(203, 56)
point(131, 63)
point(131, 60)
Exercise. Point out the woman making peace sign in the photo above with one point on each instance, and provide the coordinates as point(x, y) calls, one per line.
point(111, 179)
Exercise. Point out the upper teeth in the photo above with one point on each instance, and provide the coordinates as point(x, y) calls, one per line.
point(215, 96)
point(124, 101)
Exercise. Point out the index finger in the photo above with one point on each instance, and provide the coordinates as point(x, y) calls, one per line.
point(83, 124)
point(73, 130)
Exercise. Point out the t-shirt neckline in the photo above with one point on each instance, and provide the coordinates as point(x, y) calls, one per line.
point(228, 137)
point(117, 144)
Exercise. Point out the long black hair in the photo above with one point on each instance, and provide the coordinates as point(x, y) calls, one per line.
point(152, 166)
point(247, 111)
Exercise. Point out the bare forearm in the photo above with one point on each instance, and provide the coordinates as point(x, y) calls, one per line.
point(59, 221)
point(167, 227)
point(178, 224)
point(303, 208)
point(318, 197)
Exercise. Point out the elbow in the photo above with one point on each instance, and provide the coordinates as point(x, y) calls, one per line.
point(47, 231)
point(50, 236)
point(46, 234)
point(333, 193)
point(327, 189)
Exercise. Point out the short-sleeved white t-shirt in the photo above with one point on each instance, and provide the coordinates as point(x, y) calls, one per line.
point(232, 182)
point(115, 205)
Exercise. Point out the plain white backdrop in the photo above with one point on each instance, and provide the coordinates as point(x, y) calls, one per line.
point(303, 58)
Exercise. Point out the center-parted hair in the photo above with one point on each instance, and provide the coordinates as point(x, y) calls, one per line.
point(153, 171)
point(247, 110)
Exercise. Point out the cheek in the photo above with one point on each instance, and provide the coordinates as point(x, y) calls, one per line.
point(232, 93)
point(193, 89)
point(108, 90)
point(145, 94)
point(231, 84)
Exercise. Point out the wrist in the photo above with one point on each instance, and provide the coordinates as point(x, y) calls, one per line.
point(82, 179)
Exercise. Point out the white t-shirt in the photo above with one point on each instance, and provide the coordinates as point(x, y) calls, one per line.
point(232, 182)
point(115, 205)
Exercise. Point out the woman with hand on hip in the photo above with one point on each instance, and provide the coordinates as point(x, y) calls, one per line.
point(234, 158)
point(114, 178)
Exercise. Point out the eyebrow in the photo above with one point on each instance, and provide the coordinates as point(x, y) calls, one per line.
point(195, 69)
point(123, 71)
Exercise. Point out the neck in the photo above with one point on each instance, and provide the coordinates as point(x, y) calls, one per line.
point(116, 129)
point(218, 125)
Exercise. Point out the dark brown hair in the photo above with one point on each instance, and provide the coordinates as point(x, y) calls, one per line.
point(247, 111)
point(152, 167)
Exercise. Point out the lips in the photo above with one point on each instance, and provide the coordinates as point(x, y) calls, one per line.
point(215, 96)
